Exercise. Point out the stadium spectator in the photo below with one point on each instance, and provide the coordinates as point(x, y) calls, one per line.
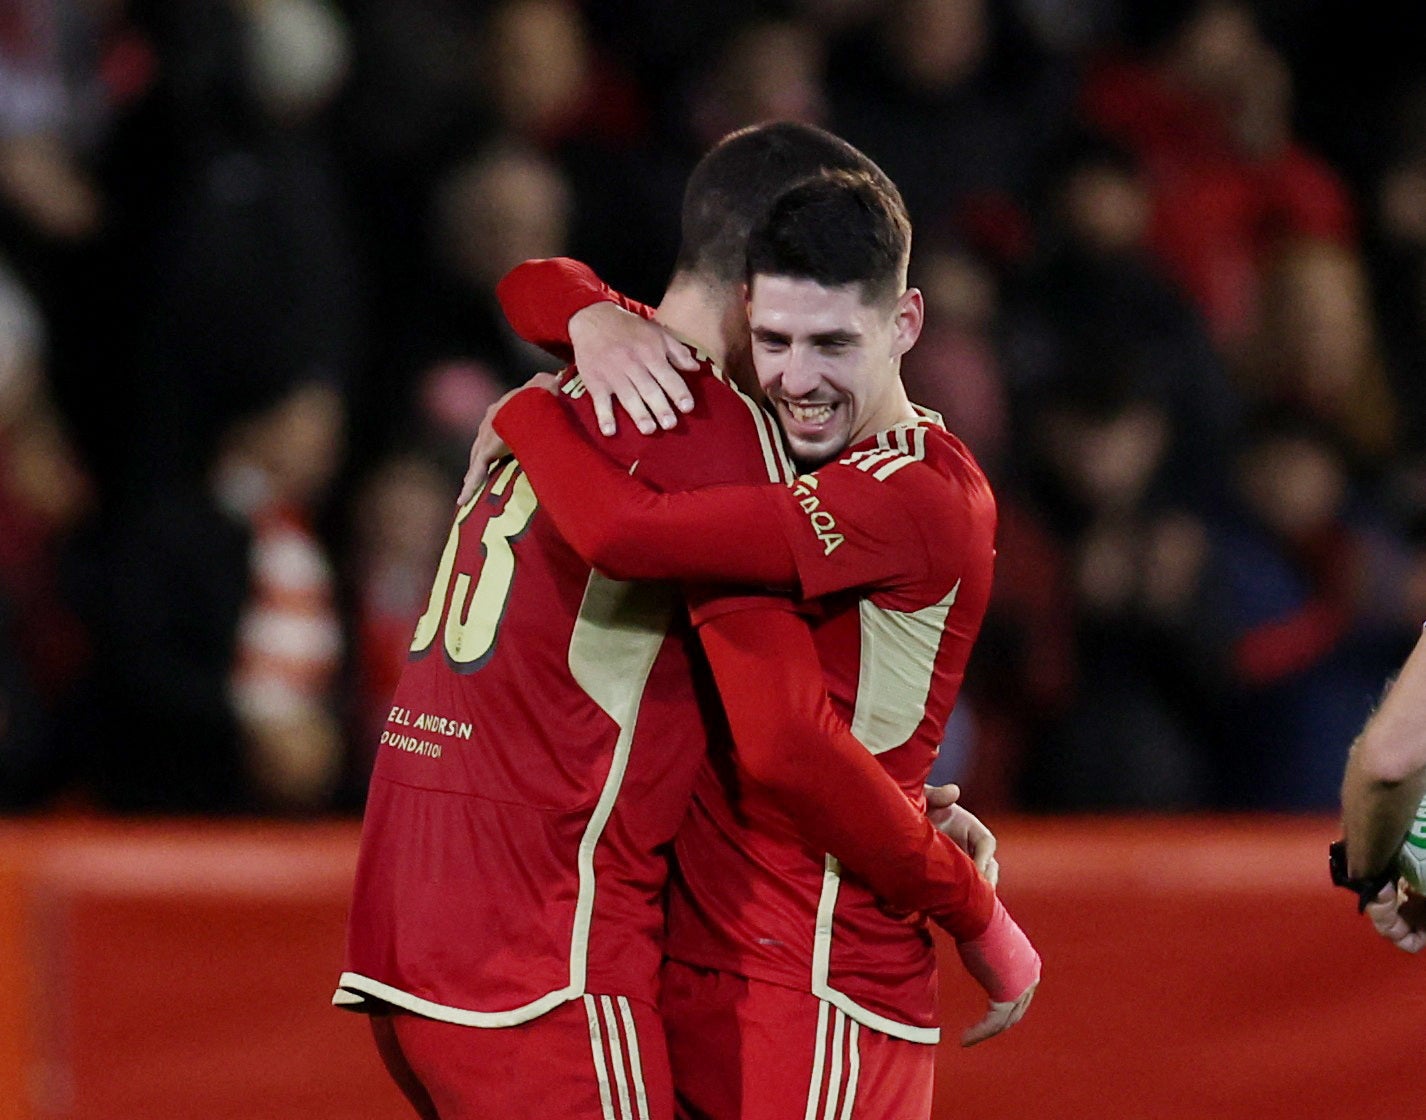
point(44, 494)
point(957, 102)
point(492, 212)
point(1093, 297)
point(769, 70)
point(1315, 351)
point(256, 274)
point(72, 72)
point(1133, 733)
point(402, 512)
point(223, 641)
point(955, 368)
point(1304, 596)
point(1209, 115)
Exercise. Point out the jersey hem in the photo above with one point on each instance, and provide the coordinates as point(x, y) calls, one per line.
point(354, 991)
point(822, 968)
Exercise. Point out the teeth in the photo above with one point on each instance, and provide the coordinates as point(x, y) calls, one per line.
point(810, 413)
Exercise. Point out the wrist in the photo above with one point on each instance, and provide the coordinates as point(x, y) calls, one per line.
point(1001, 959)
point(1365, 887)
point(586, 319)
point(520, 407)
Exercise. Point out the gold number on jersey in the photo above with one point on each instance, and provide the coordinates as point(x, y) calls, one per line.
point(473, 620)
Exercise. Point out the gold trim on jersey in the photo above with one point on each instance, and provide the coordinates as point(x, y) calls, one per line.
point(822, 962)
point(898, 661)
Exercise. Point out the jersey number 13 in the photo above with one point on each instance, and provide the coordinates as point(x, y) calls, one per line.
point(472, 621)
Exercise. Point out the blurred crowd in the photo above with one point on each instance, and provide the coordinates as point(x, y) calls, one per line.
point(1174, 256)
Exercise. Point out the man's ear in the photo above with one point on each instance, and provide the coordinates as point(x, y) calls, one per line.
point(910, 318)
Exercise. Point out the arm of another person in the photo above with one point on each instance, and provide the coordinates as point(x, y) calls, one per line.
point(717, 534)
point(1384, 782)
point(834, 530)
point(561, 306)
point(790, 743)
point(1386, 771)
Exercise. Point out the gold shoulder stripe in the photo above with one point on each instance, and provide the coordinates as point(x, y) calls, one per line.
point(867, 460)
point(889, 469)
point(779, 467)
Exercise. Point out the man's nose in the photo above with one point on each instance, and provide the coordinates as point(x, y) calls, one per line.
point(800, 375)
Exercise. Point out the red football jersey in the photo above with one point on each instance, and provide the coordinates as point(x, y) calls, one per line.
point(895, 545)
point(540, 751)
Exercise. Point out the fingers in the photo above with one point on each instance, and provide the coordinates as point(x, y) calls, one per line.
point(483, 453)
point(625, 358)
point(631, 396)
point(672, 387)
point(487, 446)
point(1000, 1017)
point(639, 393)
point(942, 797)
point(468, 486)
point(1413, 942)
point(680, 357)
point(604, 411)
point(1386, 916)
point(475, 474)
point(991, 868)
point(982, 840)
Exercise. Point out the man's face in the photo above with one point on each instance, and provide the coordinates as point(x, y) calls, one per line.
point(828, 362)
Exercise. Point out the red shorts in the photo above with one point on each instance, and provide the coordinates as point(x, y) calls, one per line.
point(746, 1050)
point(596, 1058)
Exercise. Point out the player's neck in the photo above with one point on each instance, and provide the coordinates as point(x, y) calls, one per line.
point(893, 408)
point(694, 312)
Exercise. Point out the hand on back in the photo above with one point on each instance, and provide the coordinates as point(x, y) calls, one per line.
point(622, 356)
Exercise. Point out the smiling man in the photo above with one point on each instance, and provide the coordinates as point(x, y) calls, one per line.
point(828, 353)
point(789, 990)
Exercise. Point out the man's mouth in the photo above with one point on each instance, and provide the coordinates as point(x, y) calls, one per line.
point(810, 413)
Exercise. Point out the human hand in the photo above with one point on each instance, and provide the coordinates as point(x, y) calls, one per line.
point(1399, 915)
point(1003, 962)
point(964, 827)
point(488, 446)
point(626, 357)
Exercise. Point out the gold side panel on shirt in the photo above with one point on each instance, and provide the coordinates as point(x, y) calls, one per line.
point(898, 659)
point(616, 638)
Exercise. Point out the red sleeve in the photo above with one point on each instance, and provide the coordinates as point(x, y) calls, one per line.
point(789, 742)
point(540, 296)
point(849, 530)
point(839, 529)
point(719, 534)
point(902, 528)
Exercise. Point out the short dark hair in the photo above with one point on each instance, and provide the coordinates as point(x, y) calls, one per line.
point(837, 228)
point(736, 182)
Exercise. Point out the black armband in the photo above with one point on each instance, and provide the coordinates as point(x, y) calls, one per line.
point(1367, 887)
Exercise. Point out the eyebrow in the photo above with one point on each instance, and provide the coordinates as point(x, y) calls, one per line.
point(823, 338)
point(827, 338)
